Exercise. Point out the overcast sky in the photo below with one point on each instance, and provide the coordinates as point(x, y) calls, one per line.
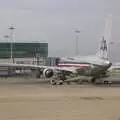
point(54, 21)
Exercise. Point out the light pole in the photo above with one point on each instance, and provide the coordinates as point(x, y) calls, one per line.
point(77, 42)
point(11, 28)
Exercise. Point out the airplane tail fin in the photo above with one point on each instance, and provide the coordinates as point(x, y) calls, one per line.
point(103, 51)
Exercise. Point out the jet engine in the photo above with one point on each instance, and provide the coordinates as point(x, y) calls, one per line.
point(48, 73)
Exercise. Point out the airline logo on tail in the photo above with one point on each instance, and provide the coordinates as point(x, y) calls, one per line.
point(103, 50)
point(104, 43)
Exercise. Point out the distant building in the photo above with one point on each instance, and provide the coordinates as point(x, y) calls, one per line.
point(23, 51)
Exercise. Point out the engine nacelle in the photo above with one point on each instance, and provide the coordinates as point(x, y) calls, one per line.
point(48, 73)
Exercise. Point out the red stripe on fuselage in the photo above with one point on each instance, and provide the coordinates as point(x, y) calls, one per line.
point(73, 65)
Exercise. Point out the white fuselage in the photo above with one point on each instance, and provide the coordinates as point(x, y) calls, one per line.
point(83, 61)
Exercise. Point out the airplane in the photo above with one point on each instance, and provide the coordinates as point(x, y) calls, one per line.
point(94, 66)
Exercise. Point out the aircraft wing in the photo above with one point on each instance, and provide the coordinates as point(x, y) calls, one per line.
point(19, 65)
point(14, 65)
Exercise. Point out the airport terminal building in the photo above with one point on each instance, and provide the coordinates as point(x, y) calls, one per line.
point(23, 52)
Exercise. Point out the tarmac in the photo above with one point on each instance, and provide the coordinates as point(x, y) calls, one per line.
point(34, 99)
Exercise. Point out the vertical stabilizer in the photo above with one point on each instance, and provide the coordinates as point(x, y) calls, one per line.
point(103, 50)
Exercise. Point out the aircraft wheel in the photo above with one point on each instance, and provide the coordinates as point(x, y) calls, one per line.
point(108, 83)
point(93, 81)
point(68, 82)
point(54, 83)
point(61, 83)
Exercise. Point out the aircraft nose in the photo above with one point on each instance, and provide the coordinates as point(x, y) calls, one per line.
point(108, 63)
